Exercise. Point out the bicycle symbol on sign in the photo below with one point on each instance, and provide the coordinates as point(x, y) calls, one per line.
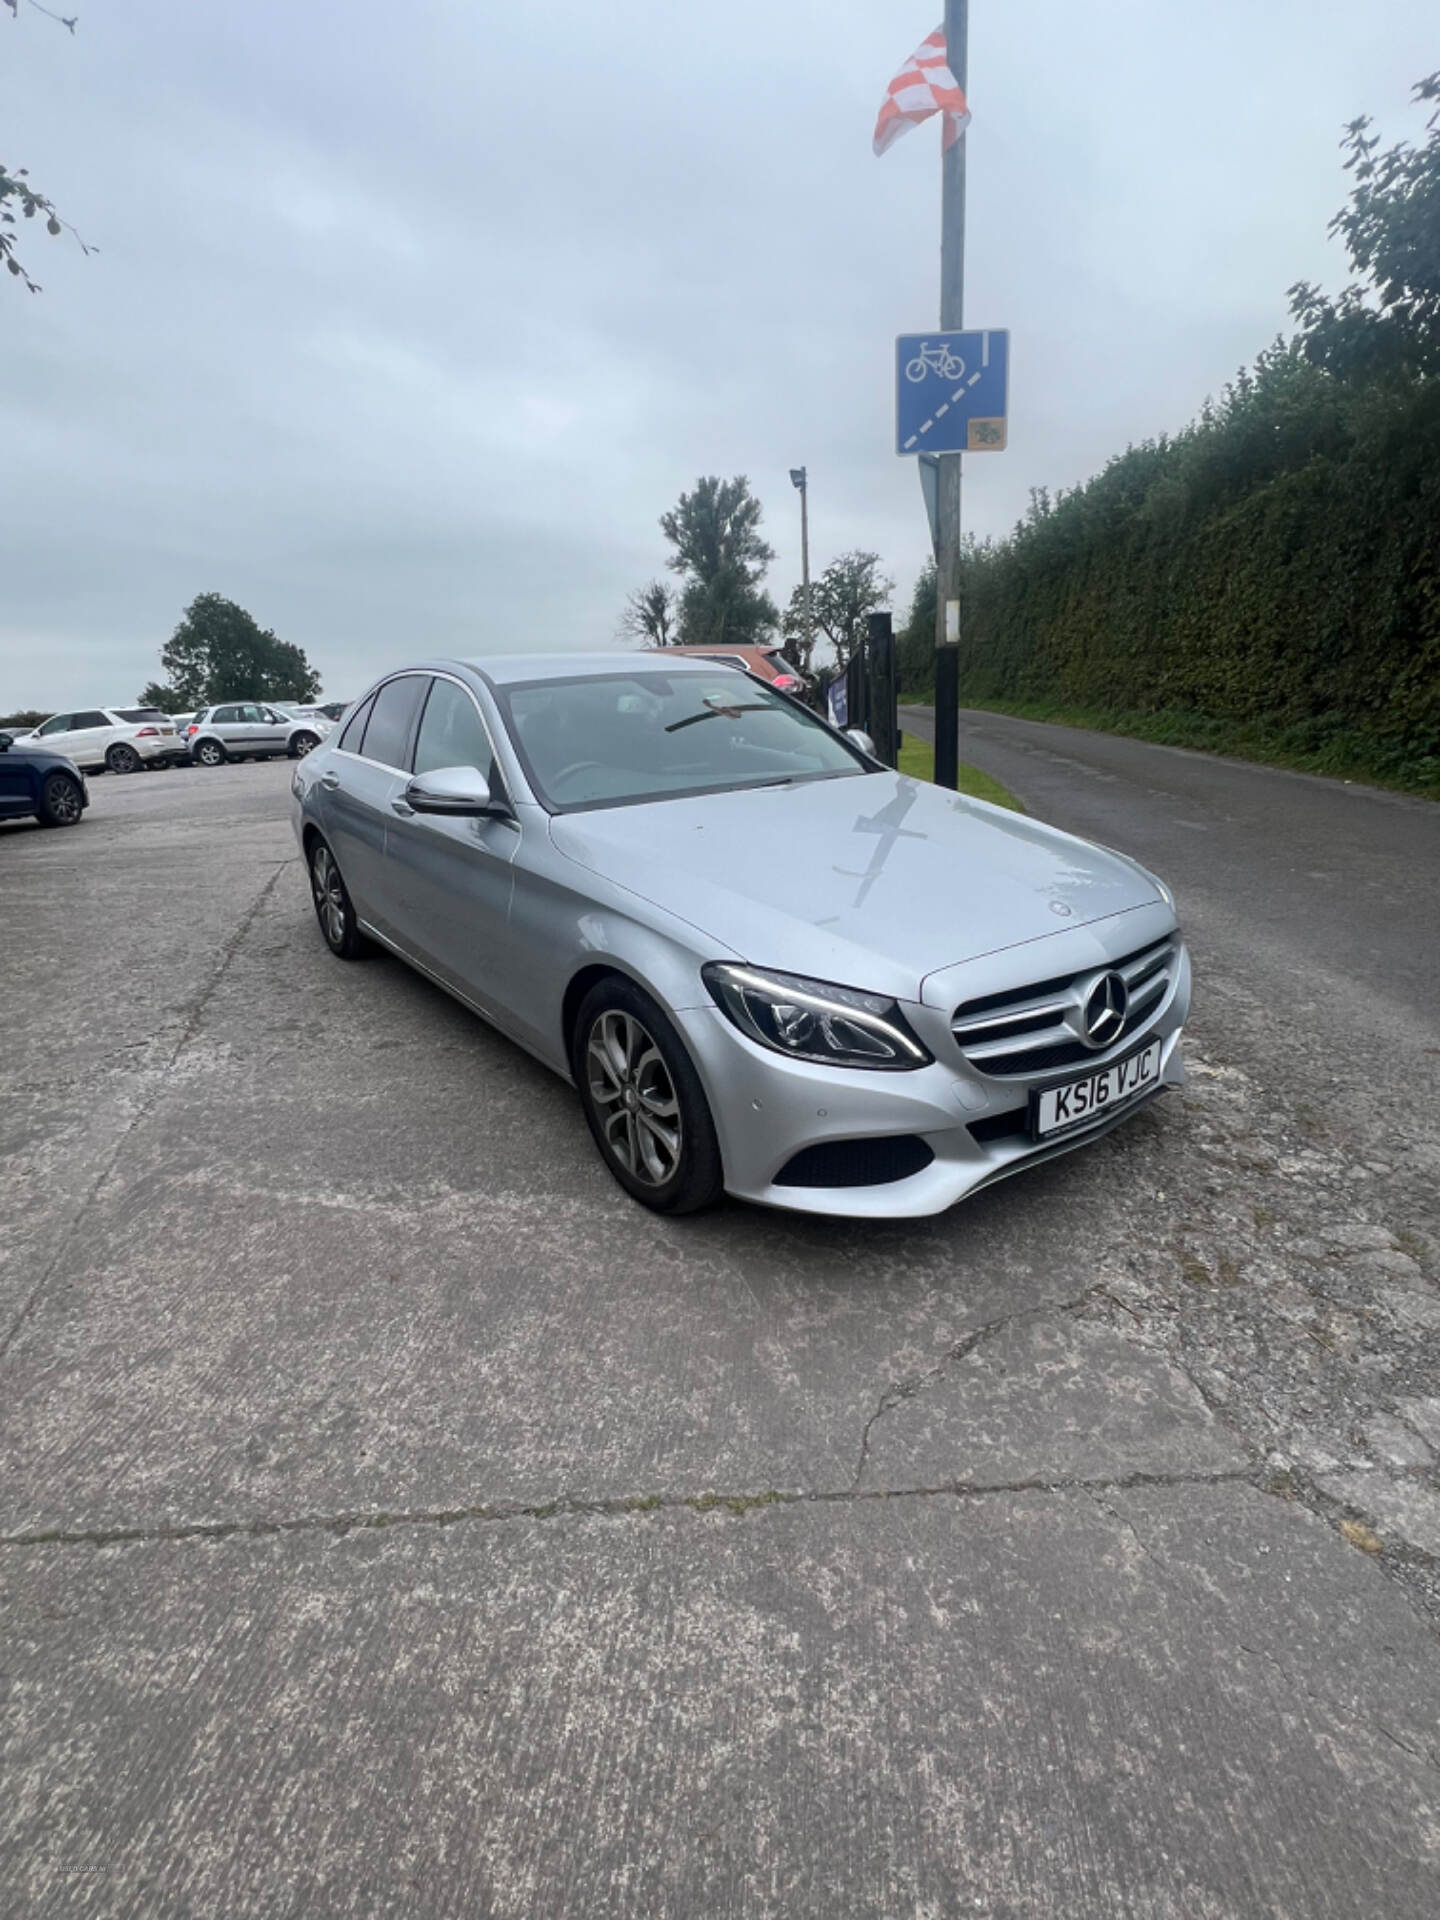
point(948, 365)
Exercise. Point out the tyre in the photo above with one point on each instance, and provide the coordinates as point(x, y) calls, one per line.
point(210, 753)
point(122, 759)
point(61, 802)
point(334, 908)
point(644, 1102)
point(302, 744)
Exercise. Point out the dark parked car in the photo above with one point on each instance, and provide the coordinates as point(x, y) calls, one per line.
point(33, 780)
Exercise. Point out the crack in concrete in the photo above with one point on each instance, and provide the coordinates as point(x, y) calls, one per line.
point(916, 1383)
point(613, 1507)
point(189, 1024)
point(900, 1391)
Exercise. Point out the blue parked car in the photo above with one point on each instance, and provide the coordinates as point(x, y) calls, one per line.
point(35, 781)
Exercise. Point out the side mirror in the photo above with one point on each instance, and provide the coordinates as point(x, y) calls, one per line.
point(462, 792)
point(858, 737)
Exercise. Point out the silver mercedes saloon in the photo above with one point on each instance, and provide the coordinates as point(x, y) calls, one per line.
point(770, 966)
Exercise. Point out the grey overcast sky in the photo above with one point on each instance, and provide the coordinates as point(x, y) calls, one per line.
point(409, 321)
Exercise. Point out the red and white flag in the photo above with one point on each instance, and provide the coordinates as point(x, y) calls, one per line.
point(924, 85)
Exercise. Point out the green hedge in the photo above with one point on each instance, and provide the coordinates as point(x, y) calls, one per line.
point(1277, 564)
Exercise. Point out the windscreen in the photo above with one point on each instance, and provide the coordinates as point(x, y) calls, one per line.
point(613, 740)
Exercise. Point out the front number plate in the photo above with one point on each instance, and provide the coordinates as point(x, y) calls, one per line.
point(1081, 1102)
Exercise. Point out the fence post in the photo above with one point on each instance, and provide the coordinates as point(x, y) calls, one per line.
point(857, 690)
point(884, 720)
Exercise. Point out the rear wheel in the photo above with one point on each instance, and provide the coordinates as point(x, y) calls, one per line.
point(122, 759)
point(334, 908)
point(644, 1102)
point(61, 802)
point(210, 753)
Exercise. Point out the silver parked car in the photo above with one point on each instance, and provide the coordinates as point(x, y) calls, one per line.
point(251, 730)
point(770, 965)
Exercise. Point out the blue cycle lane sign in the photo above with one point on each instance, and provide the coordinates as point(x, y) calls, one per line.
point(952, 392)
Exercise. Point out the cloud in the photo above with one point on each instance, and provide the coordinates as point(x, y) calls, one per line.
point(407, 324)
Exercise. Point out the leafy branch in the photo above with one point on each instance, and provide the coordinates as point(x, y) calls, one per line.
point(18, 199)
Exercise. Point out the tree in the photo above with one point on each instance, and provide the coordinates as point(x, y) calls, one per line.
point(19, 198)
point(915, 642)
point(219, 652)
point(153, 694)
point(1389, 321)
point(798, 634)
point(849, 589)
point(722, 559)
point(649, 615)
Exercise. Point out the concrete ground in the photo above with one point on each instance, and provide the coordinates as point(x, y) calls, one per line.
point(395, 1519)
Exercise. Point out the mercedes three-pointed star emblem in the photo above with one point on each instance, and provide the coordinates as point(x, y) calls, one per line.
point(1103, 1016)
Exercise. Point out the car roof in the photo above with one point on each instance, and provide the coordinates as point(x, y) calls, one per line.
point(508, 668)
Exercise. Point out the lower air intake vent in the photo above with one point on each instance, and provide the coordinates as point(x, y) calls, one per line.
point(856, 1163)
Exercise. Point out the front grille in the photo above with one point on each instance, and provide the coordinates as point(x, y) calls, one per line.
point(1037, 1028)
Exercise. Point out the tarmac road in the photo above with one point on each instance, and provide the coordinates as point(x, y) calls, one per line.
point(396, 1519)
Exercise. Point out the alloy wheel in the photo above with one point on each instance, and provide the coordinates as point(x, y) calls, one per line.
point(62, 797)
point(634, 1098)
point(123, 759)
point(329, 891)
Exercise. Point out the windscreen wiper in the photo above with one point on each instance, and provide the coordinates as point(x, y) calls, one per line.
point(720, 713)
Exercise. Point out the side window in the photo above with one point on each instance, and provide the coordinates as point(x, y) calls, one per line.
point(451, 732)
point(388, 734)
point(61, 723)
point(223, 716)
point(349, 741)
point(94, 718)
point(253, 716)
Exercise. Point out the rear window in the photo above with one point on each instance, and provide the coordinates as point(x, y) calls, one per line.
point(135, 715)
point(387, 736)
point(355, 728)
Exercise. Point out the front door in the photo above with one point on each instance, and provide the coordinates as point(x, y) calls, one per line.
point(273, 730)
point(15, 783)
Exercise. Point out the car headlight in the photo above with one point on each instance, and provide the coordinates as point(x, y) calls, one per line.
point(814, 1020)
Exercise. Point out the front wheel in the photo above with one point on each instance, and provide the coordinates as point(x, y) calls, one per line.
point(302, 744)
point(334, 908)
point(122, 759)
point(61, 804)
point(644, 1102)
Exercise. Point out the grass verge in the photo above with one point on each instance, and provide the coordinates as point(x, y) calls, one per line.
point(1340, 753)
point(917, 758)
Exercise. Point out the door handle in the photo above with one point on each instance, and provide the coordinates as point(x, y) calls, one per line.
point(329, 779)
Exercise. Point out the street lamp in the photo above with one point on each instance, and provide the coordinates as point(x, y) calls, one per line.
point(800, 481)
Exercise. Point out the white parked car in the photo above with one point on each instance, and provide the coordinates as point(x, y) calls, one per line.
point(250, 730)
point(118, 739)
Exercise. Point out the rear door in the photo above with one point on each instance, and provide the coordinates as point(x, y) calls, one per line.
point(225, 724)
point(90, 734)
point(448, 881)
point(359, 782)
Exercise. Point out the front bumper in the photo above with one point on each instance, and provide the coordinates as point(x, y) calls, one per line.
point(768, 1108)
